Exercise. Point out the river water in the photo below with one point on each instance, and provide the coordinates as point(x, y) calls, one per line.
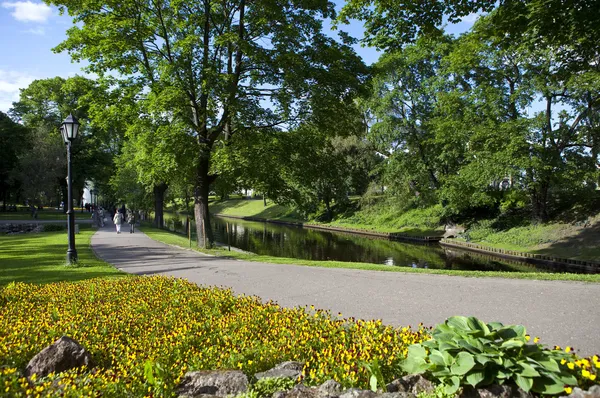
point(304, 243)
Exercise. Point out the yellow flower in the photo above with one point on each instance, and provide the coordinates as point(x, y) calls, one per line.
point(568, 349)
point(585, 373)
point(536, 340)
point(592, 377)
point(563, 361)
point(571, 365)
point(568, 390)
point(527, 337)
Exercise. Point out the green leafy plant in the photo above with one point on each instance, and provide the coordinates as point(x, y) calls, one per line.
point(467, 351)
point(376, 378)
point(265, 387)
point(438, 392)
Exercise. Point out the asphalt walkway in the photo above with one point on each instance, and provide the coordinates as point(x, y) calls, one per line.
point(561, 313)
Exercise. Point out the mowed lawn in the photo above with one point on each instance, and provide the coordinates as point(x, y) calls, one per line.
point(41, 258)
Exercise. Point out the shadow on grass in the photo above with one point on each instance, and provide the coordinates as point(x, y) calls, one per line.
point(585, 245)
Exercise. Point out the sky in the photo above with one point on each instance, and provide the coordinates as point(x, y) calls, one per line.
point(30, 29)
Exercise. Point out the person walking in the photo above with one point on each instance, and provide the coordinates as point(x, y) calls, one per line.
point(118, 220)
point(131, 221)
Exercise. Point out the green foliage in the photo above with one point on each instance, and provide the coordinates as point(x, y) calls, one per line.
point(467, 351)
point(376, 380)
point(438, 392)
point(54, 227)
point(265, 387)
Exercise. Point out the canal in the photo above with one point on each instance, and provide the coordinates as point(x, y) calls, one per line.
point(303, 243)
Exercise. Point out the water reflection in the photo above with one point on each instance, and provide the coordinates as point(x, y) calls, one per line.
point(296, 242)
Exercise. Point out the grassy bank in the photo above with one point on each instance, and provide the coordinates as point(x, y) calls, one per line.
point(418, 222)
point(559, 239)
point(172, 238)
point(565, 240)
point(41, 257)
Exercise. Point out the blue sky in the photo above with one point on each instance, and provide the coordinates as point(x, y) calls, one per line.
point(30, 29)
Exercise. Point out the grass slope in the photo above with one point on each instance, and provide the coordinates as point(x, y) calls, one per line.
point(40, 258)
point(181, 241)
point(254, 208)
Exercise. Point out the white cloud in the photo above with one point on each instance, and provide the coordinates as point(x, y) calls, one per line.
point(40, 31)
point(471, 18)
point(10, 83)
point(28, 11)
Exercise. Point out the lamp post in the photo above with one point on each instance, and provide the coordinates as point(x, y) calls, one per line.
point(69, 130)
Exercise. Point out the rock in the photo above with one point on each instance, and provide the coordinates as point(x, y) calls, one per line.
point(495, 391)
point(413, 384)
point(593, 392)
point(330, 387)
point(299, 391)
point(212, 382)
point(356, 393)
point(397, 395)
point(289, 369)
point(64, 354)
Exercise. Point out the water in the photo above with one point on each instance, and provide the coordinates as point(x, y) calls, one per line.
point(303, 243)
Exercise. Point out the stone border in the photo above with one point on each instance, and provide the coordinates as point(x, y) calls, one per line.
point(385, 235)
point(553, 262)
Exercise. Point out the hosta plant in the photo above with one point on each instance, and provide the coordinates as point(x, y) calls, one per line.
point(467, 351)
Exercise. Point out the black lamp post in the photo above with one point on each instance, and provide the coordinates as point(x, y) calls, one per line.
point(69, 130)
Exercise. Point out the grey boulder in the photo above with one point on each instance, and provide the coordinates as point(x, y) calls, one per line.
point(289, 370)
point(64, 354)
point(413, 384)
point(212, 382)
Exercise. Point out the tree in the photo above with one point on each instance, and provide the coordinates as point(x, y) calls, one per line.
point(570, 26)
point(43, 106)
point(221, 68)
point(15, 140)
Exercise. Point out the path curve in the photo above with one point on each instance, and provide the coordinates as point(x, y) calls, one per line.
point(561, 313)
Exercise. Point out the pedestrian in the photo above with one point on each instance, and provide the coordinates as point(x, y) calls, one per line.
point(131, 221)
point(118, 220)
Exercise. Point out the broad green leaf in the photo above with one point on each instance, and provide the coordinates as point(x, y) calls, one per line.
point(463, 363)
point(437, 358)
point(414, 365)
point(524, 382)
point(482, 359)
point(547, 385)
point(417, 351)
point(549, 364)
point(476, 324)
point(373, 383)
point(512, 344)
point(475, 377)
point(452, 385)
point(458, 322)
point(528, 370)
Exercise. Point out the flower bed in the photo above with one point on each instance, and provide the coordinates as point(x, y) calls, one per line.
point(127, 324)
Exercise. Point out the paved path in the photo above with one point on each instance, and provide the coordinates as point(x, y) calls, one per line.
point(563, 313)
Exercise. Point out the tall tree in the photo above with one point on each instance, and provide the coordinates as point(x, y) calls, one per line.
point(220, 67)
point(15, 140)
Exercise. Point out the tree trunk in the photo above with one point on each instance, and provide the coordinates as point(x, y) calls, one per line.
point(159, 201)
point(203, 229)
point(540, 203)
point(264, 200)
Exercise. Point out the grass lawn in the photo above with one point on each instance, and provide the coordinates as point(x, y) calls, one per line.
point(254, 208)
point(40, 258)
point(172, 238)
point(42, 215)
point(554, 239)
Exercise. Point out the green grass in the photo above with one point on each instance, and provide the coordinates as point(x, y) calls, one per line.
point(42, 215)
point(181, 241)
point(41, 258)
point(254, 208)
point(554, 239)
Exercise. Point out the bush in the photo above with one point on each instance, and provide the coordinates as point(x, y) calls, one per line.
point(54, 227)
point(145, 333)
point(467, 351)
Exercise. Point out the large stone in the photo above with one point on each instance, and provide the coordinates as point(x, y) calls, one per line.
point(331, 387)
point(64, 354)
point(289, 370)
point(413, 384)
point(397, 395)
point(495, 391)
point(299, 391)
point(593, 392)
point(356, 393)
point(212, 382)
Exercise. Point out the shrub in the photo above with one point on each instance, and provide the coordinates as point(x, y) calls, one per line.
point(467, 351)
point(145, 333)
point(54, 227)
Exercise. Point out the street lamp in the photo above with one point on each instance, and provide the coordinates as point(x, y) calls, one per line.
point(69, 130)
